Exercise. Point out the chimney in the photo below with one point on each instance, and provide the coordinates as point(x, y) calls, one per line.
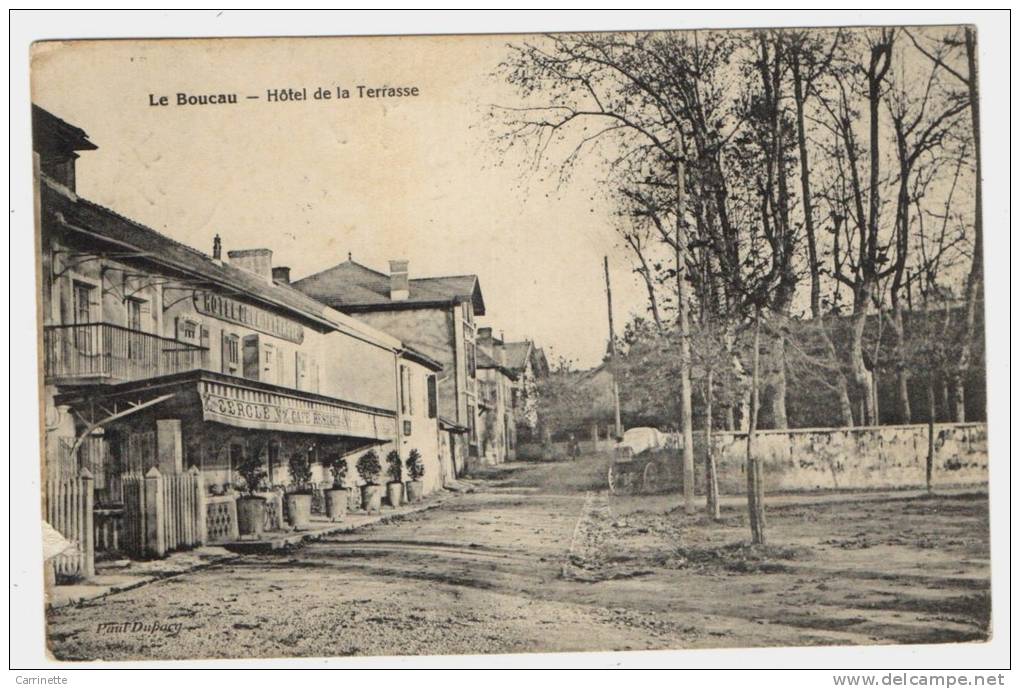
point(400, 285)
point(484, 334)
point(281, 274)
point(217, 248)
point(256, 261)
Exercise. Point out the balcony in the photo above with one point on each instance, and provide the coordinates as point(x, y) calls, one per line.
point(103, 352)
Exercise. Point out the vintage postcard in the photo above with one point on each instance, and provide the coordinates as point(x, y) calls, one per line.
point(492, 344)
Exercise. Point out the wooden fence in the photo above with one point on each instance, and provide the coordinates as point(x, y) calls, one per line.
point(68, 509)
point(163, 512)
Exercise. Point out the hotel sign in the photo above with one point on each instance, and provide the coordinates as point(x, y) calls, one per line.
point(247, 408)
point(226, 309)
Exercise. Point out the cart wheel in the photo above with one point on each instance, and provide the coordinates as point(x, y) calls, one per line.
point(650, 479)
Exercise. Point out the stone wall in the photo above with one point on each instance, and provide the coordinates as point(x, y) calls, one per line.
point(873, 457)
point(832, 458)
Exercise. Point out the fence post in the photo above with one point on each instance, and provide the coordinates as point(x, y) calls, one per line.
point(199, 483)
point(155, 539)
point(88, 544)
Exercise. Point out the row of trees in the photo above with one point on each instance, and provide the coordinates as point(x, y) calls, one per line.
point(825, 179)
point(814, 191)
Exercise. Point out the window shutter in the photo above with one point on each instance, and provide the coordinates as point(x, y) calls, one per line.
point(433, 402)
point(203, 341)
point(300, 370)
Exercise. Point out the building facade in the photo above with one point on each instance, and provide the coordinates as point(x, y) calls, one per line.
point(434, 315)
point(156, 355)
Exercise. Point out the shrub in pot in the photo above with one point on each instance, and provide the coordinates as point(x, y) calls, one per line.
point(299, 496)
point(336, 495)
point(395, 472)
point(369, 469)
point(416, 470)
point(251, 508)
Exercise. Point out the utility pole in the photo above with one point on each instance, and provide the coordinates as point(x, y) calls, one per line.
point(618, 427)
point(686, 422)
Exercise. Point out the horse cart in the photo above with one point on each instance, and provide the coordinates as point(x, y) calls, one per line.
point(645, 460)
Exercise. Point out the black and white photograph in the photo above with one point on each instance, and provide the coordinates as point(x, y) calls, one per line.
point(512, 343)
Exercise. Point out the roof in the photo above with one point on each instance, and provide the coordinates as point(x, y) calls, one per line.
point(107, 224)
point(420, 357)
point(351, 286)
point(484, 360)
point(51, 134)
point(515, 354)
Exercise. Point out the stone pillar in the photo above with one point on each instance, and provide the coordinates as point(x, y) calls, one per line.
point(169, 446)
point(88, 536)
point(201, 534)
point(155, 542)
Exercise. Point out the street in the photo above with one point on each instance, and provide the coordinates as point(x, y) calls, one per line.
point(539, 560)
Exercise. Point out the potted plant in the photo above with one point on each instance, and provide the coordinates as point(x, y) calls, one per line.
point(336, 496)
point(395, 486)
point(416, 469)
point(251, 508)
point(299, 498)
point(369, 470)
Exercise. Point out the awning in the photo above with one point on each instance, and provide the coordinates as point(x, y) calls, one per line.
point(239, 402)
point(246, 407)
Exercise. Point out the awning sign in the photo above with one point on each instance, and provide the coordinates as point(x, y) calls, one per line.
point(247, 408)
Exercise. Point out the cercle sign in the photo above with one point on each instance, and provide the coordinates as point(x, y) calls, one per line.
point(246, 408)
point(226, 309)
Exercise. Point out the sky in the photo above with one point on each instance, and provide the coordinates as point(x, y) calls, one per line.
point(418, 178)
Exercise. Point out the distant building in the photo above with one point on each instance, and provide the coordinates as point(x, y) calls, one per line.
point(530, 367)
point(436, 316)
point(496, 386)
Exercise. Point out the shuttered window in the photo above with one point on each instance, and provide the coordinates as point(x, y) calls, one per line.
point(433, 397)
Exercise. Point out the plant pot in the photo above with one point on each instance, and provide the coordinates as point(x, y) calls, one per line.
point(415, 490)
point(336, 503)
point(371, 497)
point(395, 493)
point(251, 516)
point(299, 510)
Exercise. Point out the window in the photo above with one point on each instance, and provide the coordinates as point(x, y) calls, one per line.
point(85, 339)
point(134, 314)
point(268, 374)
point(188, 330)
point(433, 398)
point(82, 295)
point(231, 353)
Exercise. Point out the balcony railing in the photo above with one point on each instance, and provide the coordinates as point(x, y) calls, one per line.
point(105, 351)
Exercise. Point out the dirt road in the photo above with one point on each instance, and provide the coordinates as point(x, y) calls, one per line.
point(518, 568)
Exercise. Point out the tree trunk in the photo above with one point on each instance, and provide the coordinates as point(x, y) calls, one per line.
point(776, 390)
point(711, 475)
point(861, 373)
point(929, 464)
point(755, 483)
point(975, 278)
point(959, 399)
point(686, 420)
